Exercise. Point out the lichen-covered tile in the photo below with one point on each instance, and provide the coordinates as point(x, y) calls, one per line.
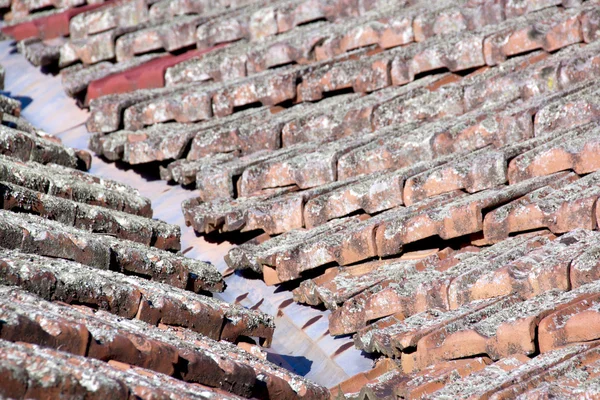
point(560, 209)
point(132, 297)
point(133, 342)
point(501, 374)
point(76, 79)
point(507, 331)
point(542, 269)
point(29, 367)
point(395, 336)
point(25, 146)
point(305, 170)
point(219, 177)
point(339, 284)
point(457, 218)
point(575, 323)
point(572, 151)
point(549, 29)
point(106, 113)
point(90, 217)
point(574, 371)
point(52, 239)
point(424, 288)
point(120, 14)
point(177, 33)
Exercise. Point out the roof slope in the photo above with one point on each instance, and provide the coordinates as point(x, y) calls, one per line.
point(104, 299)
point(427, 171)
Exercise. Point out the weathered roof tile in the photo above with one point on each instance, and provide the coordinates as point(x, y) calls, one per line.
point(354, 139)
point(103, 336)
point(132, 297)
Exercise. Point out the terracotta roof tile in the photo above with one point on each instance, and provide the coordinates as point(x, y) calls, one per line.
point(27, 146)
point(117, 14)
point(351, 140)
point(39, 53)
point(571, 151)
point(174, 35)
point(132, 297)
point(371, 193)
point(392, 335)
point(562, 210)
point(121, 78)
point(74, 185)
point(10, 106)
point(46, 25)
point(33, 371)
point(78, 241)
point(433, 378)
point(102, 336)
point(500, 375)
point(51, 238)
point(76, 79)
point(422, 290)
point(94, 218)
point(340, 284)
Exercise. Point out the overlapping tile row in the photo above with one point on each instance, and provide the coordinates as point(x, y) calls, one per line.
point(451, 215)
point(398, 23)
point(38, 176)
point(524, 301)
point(90, 217)
point(362, 293)
point(132, 297)
point(52, 238)
point(359, 73)
point(411, 289)
point(194, 358)
point(83, 280)
point(21, 141)
point(51, 209)
point(20, 9)
point(351, 138)
point(569, 372)
point(280, 33)
point(460, 158)
point(114, 32)
point(332, 199)
point(91, 278)
point(351, 156)
point(31, 371)
point(71, 184)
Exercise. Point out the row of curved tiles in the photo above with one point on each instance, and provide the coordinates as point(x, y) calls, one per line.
point(301, 343)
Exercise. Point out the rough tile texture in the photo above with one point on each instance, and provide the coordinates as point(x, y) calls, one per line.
point(426, 171)
point(97, 301)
